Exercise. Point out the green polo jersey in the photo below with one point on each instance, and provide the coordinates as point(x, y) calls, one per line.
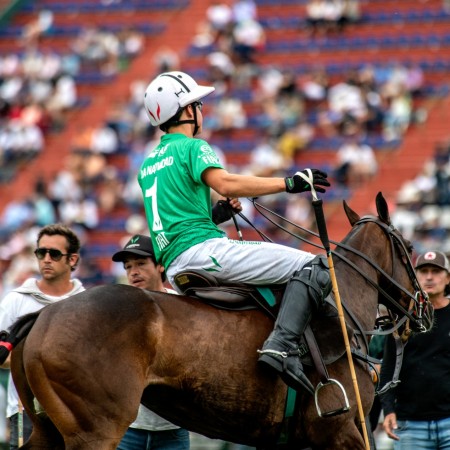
point(177, 202)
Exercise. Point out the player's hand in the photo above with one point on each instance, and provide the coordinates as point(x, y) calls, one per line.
point(223, 210)
point(298, 184)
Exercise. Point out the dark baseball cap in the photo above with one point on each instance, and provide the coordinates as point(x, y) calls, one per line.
point(437, 259)
point(138, 245)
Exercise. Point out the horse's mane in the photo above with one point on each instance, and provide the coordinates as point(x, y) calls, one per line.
point(18, 331)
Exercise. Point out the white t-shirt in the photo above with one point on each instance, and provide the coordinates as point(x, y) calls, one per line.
point(23, 300)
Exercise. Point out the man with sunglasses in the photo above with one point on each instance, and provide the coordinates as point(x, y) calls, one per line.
point(57, 255)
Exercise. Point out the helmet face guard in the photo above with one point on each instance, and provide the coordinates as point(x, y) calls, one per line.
point(169, 93)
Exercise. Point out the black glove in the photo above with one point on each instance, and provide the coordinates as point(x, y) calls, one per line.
point(297, 184)
point(222, 211)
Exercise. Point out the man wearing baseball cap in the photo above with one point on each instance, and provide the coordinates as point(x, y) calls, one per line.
point(148, 430)
point(140, 247)
point(417, 410)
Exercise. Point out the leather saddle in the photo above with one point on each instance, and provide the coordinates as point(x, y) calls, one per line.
point(325, 327)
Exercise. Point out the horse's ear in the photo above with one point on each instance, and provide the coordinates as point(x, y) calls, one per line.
point(382, 208)
point(352, 216)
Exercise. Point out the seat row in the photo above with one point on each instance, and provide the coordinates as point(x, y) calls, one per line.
point(438, 15)
point(83, 6)
point(74, 30)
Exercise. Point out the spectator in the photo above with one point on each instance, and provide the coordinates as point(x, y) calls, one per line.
point(398, 113)
point(18, 212)
point(104, 140)
point(44, 210)
point(131, 43)
point(57, 253)
point(356, 162)
point(442, 174)
point(314, 17)
point(417, 410)
point(36, 28)
point(228, 114)
point(248, 38)
point(346, 102)
point(220, 18)
point(220, 71)
point(109, 190)
point(327, 16)
point(148, 430)
point(166, 59)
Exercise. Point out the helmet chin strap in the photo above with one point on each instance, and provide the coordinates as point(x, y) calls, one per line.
point(195, 122)
point(196, 128)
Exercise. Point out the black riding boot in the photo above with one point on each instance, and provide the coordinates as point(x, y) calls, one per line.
point(305, 293)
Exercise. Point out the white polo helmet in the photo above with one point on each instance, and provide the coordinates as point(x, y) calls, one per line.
point(169, 92)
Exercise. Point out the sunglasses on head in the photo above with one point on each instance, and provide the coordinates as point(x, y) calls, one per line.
point(54, 253)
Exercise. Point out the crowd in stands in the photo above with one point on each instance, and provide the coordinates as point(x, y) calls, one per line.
point(288, 114)
point(38, 86)
point(105, 51)
point(423, 203)
point(36, 90)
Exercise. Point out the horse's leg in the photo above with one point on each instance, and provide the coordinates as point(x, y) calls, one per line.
point(340, 432)
point(336, 435)
point(90, 410)
point(44, 434)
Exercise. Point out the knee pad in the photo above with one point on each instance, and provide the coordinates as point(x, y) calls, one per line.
point(316, 275)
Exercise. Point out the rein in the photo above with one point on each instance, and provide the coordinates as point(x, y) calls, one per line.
point(419, 297)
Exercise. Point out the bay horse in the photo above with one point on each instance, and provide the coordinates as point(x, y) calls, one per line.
point(91, 359)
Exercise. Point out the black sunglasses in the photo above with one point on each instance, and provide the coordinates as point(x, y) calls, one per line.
point(54, 253)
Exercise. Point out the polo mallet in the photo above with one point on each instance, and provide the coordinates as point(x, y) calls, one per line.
point(323, 233)
point(20, 425)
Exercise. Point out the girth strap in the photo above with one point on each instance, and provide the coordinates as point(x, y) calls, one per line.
point(399, 347)
point(316, 356)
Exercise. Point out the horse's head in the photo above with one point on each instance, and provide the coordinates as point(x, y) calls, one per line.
point(398, 287)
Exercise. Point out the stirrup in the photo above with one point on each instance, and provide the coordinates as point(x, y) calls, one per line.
point(334, 412)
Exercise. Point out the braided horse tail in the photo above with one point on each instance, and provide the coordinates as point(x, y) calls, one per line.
point(18, 331)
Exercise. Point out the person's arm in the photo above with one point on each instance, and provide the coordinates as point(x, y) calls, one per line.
point(235, 185)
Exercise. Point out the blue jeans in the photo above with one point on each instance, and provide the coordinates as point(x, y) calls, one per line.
point(14, 430)
point(423, 435)
point(136, 439)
